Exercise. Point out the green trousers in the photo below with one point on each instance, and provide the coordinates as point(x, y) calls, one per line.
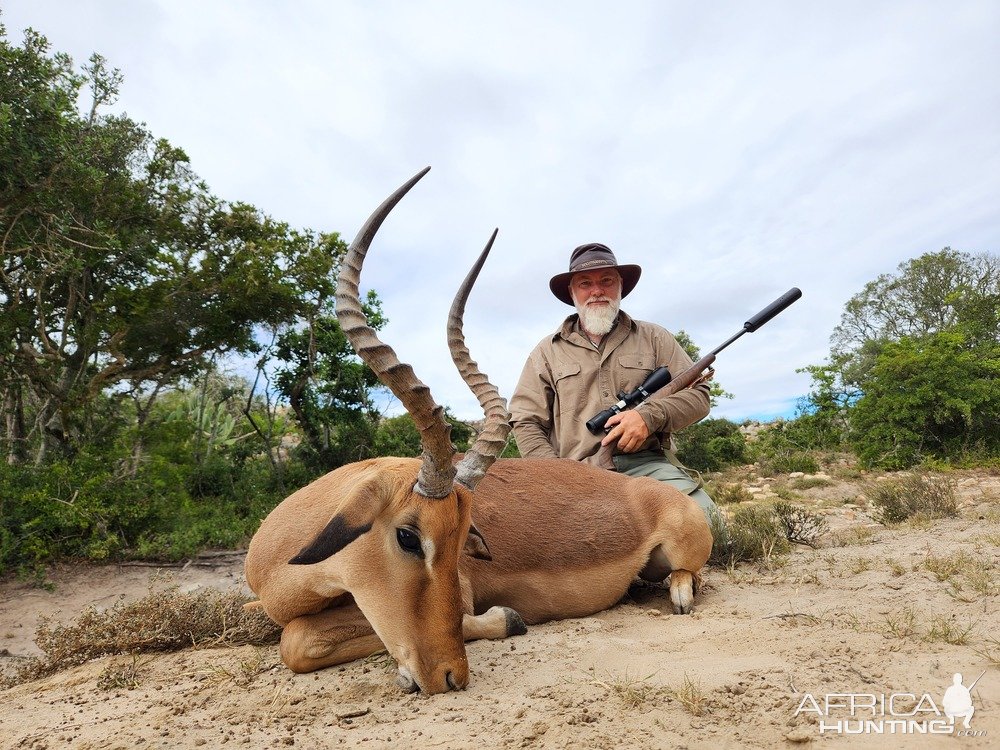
point(659, 467)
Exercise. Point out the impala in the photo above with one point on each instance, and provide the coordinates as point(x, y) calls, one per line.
point(417, 556)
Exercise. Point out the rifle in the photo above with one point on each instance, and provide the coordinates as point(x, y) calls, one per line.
point(661, 380)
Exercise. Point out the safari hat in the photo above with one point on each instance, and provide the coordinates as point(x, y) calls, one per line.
point(592, 257)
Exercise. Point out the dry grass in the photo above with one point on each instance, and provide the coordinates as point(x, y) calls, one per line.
point(160, 621)
point(854, 536)
point(634, 692)
point(690, 695)
point(900, 625)
point(913, 496)
point(121, 674)
point(808, 483)
point(990, 650)
point(946, 630)
point(968, 576)
point(728, 494)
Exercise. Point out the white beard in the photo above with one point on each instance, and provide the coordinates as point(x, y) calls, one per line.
point(598, 320)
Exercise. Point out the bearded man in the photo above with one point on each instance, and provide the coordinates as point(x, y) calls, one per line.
point(577, 372)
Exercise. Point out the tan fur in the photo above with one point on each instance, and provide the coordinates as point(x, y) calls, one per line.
point(566, 541)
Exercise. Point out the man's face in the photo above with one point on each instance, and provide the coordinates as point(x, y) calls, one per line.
point(597, 295)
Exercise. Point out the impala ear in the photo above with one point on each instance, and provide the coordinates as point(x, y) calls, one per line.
point(334, 537)
point(354, 517)
point(475, 544)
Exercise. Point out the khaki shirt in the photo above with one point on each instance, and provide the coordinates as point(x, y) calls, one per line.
point(567, 380)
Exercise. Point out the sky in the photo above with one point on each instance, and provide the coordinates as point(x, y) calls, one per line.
point(732, 149)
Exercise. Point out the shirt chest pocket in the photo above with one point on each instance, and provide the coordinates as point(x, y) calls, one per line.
point(569, 387)
point(633, 369)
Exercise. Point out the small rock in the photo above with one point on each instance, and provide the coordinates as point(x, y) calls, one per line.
point(799, 735)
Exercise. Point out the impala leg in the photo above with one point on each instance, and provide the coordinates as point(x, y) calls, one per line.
point(682, 583)
point(333, 636)
point(494, 623)
point(342, 634)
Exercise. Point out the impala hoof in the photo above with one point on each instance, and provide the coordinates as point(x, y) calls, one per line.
point(682, 591)
point(515, 625)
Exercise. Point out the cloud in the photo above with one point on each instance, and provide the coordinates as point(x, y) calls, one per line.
point(732, 149)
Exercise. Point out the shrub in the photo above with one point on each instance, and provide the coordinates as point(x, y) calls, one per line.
point(800, 526)
point(712, 445)
point(895, 501)
point(728, 494)
point(750, 533)
point(779, 450)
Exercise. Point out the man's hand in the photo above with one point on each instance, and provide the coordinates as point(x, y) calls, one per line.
point(629, 429)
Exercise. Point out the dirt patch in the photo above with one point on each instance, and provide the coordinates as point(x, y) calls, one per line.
point(884, 612)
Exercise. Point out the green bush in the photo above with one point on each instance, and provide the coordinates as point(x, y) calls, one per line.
point(711, 445)
point(780, 449)
point(933, 397)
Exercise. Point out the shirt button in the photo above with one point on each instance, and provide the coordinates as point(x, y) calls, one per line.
point(606, 394)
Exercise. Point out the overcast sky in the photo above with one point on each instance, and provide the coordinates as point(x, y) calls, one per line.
point(732, 149)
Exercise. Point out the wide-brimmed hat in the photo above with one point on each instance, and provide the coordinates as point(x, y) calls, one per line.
point(592, 257)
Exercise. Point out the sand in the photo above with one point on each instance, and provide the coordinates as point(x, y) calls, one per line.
point(874, 616)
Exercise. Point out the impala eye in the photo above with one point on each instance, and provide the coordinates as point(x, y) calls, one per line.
point(409, 540)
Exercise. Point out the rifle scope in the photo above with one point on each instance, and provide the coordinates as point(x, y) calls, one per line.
point(653, 382)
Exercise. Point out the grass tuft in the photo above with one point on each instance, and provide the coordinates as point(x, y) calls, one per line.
point(690, 695)
point(160, 621)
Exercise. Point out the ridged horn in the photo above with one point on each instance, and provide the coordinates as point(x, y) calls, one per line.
point(437, 472)
point(493, 437)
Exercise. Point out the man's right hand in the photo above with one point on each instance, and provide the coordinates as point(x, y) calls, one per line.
point(629, 429)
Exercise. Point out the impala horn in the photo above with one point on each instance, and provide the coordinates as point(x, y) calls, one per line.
point(493, 437)
point(436, 476)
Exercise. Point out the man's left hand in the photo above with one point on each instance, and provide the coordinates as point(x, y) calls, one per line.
point(629, 429)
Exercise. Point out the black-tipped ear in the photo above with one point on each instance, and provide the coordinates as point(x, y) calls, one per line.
point(337, 535)
point(475, 544)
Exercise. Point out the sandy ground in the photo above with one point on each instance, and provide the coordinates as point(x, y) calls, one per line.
point(870, 612)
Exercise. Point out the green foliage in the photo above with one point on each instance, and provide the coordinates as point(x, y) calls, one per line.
point(711, 445)
point(121, 267)
point(913, 495)
point(783, 447)
point(930, 294)
point(168, 500)
point(328, 387)
point(933, 397)
point(398, 436)
point(913, 370)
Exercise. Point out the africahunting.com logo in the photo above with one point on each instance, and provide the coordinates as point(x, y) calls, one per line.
point(895, 713)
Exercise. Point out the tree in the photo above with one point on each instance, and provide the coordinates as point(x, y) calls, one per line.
point(912, 369)
point(931, 396)
point(928, 294)
point(712, 445)
point(118, 267)
point(327, 386)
